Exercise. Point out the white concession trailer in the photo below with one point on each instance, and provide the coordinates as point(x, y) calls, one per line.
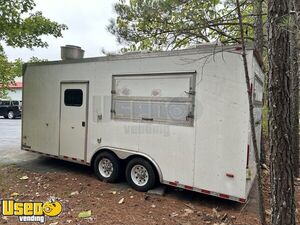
point(180, 117)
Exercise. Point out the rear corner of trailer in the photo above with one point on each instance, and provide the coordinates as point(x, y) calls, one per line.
point(257, 89)
point(222, 127)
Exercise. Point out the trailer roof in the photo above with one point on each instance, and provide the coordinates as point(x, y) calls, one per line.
point(201, 49)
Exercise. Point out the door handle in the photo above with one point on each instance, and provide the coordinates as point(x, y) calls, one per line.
point(147, 119)
point(83, 123)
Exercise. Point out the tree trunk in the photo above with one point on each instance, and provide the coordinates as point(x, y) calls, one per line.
point(297, 9)
point(294, 88)
point(295, 85)
point(282, 174)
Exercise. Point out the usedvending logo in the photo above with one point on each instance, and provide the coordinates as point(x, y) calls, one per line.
point(31, 211)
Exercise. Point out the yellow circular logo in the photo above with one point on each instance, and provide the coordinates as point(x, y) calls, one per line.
point(52, 208)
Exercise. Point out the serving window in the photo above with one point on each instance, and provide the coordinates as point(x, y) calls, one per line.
point(159, 98)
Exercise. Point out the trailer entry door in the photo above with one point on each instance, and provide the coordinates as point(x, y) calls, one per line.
point(73, 120)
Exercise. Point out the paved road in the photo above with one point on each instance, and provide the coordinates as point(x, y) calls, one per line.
point(10, 134)
point(11, 153)
point(10, 143)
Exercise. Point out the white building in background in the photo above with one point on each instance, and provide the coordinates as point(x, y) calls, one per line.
point(16, 90)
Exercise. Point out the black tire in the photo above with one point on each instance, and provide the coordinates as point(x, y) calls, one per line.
point(146, 185)
point(116, 167)
point(5, 117)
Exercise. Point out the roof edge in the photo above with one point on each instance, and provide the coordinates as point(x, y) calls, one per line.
point(201, 49)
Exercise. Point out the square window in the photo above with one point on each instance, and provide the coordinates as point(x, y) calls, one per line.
point(73, 97)
point(15, 103)
point(5, 103)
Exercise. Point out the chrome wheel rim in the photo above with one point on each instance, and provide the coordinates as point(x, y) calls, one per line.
point(139, 175)
point(105, 167)
point(10, 115)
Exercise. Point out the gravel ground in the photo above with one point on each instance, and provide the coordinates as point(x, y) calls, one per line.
point(116, 203)
point(109, 203)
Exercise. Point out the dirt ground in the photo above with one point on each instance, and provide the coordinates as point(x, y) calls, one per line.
point(117, 203)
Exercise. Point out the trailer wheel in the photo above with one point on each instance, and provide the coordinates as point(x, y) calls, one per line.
point(107, 167)
point(140, 174)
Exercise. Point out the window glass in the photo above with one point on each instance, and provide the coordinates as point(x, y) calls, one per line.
point(160, 111)
point(73, 97)
point(152, 86)
point(15, 103)
point(4, 103)
point(165, 98)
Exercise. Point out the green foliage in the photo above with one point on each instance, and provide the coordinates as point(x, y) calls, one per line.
point(20, 27)
point(171, 24)
point(36, 60)
point(8, 72)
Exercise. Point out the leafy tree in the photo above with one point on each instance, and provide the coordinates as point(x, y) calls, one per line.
point(171, 24)
point(8, 72)
point(21, 27)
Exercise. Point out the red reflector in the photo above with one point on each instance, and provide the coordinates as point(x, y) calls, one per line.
point(205, 191)
point(230, 175)
point(82, 160)
point(188, 187)
point(223, 196)
point(74, 158)
point(66, 157)
point(238, 48)
point(173, 183)
point(242, 200)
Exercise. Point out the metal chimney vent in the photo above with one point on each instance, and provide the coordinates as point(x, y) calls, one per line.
point(71, 52)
